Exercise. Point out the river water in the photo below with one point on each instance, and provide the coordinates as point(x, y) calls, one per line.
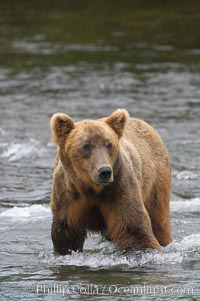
point(87, 59)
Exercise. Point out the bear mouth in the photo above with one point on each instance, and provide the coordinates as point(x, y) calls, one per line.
point(104, 183)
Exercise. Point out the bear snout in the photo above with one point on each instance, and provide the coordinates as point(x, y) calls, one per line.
point(105, 175)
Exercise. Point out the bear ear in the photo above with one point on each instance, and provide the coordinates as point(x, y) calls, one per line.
point(117, 121)
point(61, 126)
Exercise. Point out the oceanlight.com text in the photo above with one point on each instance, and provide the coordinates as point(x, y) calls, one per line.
point(114, 289)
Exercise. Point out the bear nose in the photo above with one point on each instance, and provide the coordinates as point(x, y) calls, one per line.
point(105, 173)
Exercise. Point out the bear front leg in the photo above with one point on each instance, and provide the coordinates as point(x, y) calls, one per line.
point(143, 236)
point(129, 225)
point(65, 239)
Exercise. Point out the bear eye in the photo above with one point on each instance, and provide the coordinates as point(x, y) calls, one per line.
point(87, 147)
point(109, 146)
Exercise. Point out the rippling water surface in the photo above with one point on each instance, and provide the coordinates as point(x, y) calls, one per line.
point(87, 59)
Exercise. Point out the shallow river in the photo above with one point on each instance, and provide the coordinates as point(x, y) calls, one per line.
point(87, 59)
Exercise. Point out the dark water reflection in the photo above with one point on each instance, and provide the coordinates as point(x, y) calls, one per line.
point(87, 58)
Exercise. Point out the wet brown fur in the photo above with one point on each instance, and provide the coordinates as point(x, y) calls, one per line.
point(133, 210)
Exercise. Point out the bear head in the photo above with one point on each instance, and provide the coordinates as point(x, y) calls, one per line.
point(89, 149)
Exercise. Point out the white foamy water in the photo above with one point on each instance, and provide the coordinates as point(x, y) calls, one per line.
point(33, 212)
point(186, 175)
point(175, 253)
point(192, 205)
point(17, 151)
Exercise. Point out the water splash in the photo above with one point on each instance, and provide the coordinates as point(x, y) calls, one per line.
point(186, 175)
point(17, 151)
point(22, 214)
point(105, 256)
point(186, 206)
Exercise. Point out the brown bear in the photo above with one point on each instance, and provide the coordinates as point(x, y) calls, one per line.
point(111, 176)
